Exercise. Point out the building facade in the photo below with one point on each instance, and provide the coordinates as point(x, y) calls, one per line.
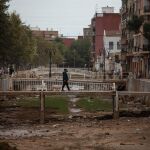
point(87, 33)
point(135, 19)
point(68, 41)
point(108, 21)
point(112, 49)
point(48, 35)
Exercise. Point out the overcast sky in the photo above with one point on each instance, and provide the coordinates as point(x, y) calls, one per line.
point(69, 17)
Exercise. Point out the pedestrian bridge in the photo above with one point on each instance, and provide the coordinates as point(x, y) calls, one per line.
point(16, 84)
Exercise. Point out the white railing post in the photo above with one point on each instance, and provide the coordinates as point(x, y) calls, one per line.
point(114, 86)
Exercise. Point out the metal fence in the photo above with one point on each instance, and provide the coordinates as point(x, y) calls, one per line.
point(54, 85)
point(73, 73)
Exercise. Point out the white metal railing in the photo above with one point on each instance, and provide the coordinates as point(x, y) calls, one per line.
point(74, 73)
point(55, 85)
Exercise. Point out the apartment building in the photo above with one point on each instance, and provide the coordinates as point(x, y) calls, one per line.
point(107, 21)
point(48, 35)
point(135, 39)
point(87, 33)
point(112, 51)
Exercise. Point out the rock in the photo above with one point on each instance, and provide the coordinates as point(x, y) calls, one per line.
point(70, 117)
point(55, 125)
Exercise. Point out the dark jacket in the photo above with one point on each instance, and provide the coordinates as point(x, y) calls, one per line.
point(65, 76)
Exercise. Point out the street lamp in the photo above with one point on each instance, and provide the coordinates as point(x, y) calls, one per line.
point(50, 52)
point(104, 70)
point(50, 63)
point(102, 63)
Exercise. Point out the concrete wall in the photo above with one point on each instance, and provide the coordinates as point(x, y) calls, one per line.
point(140, 85)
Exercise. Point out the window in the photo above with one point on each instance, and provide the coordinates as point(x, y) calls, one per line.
point(118, 45)
point(111, 45)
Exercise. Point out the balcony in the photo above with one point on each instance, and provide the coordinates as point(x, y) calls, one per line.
point(147, 9)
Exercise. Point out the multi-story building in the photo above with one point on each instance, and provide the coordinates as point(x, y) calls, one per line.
point(87, 33)
point(48, 35)
point(135, 16)
point(112, 51)
point(108, 21)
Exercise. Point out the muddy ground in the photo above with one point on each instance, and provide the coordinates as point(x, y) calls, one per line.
point(20, 128)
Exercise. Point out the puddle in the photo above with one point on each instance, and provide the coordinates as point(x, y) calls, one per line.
point(74, 100)
point(72, 106)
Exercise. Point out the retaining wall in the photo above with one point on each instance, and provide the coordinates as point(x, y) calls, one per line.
point(142, 85)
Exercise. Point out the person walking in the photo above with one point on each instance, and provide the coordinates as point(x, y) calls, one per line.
point(65, 80)
point(11, 71)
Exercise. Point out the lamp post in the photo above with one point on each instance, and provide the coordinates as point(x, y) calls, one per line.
point(50, 63)
point(50, 52)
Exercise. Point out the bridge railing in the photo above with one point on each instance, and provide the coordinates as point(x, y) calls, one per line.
point(16, 84)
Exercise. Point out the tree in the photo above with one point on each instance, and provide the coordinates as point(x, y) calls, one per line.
point(41, 56)
point(79, 53)
point(4, 31)
point(135, 23)
point(17, 46)
point(44, 48)
point(23, 44)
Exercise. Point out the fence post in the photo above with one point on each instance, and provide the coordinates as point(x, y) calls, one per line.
point(5, 87)
point(116, 106)
point(113, 103)
point(10, 84)
point(42, 107)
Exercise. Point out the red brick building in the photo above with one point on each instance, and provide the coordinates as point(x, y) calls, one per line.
point(68, 41)
point(99, 23)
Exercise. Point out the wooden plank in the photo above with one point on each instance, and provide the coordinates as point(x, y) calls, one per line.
point(42, 107)
point(116, 109)
point(81, 93)
point(133, 93)
point(58, 93)
point(9, 93)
